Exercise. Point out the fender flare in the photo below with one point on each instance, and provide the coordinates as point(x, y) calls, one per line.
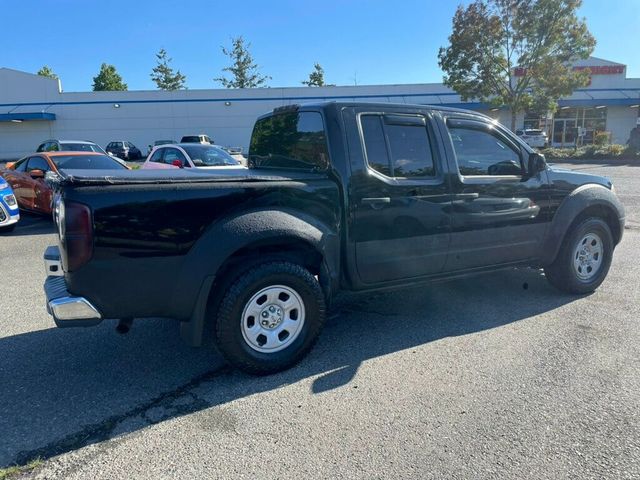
point(581, 199)
point(226, 237)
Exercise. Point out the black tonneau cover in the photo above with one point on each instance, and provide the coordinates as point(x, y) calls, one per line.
point(193, 175)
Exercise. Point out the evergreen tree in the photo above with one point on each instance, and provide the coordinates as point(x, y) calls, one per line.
point(245, 72)
point(45, 71)
point(108, 79)
point(316, 78)
point(164, 76)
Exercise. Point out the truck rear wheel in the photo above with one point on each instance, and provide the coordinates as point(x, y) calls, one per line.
point(270, 317)
point(584, 258)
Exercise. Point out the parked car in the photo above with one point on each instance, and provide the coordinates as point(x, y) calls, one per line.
point(534, 137)
point(69, 146)
point(124, 150)
point(197, 139)
point(9, 212)
point(158, 143)
point(73, 146)
point(236, 152)
point(189, 155)
point(390, 196)
point(27, 175)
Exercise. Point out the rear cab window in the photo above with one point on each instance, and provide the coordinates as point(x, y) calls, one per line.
point(291, 140)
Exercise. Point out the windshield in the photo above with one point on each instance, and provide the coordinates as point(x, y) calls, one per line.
point(533, 132)
point(81, 147)
point(207, 156)
point(86, 162)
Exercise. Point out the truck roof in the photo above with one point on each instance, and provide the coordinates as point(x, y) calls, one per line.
point(377, 105)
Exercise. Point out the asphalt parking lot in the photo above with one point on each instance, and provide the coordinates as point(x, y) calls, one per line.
point(499, 376)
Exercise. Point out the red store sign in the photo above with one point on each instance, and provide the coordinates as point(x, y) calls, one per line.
point(595, 70)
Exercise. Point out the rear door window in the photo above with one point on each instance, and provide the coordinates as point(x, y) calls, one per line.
point(398, 145)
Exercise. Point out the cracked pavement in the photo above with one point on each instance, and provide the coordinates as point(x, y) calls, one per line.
point(499, 376)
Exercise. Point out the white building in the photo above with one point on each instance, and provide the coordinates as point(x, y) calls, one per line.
point(34, 108)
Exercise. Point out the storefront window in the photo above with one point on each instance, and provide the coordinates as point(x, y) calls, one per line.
point(567, 120)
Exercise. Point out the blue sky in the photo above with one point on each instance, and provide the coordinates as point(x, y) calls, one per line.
point(368, 41)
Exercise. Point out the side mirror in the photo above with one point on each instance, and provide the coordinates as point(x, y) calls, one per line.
point(536, 164)
point(177, 163)
point(36, 173)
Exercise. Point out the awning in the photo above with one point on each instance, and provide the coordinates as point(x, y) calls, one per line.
point(27, 117)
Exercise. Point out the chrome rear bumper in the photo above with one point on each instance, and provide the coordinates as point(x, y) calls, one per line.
point(66, 309)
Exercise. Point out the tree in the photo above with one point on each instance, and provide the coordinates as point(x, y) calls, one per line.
point(45, 71)
point(244, 70)
point(316, 78)
point(163, 74)
point(516, 53)
point(108, 79)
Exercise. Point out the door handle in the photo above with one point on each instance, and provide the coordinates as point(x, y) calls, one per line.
point(376, 203)
point(466, 196)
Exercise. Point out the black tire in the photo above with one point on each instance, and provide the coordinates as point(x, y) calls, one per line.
point(229, 323)
point(562, 274)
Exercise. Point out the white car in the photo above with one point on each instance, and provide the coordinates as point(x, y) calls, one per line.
point(190, 155)
point(534, 137)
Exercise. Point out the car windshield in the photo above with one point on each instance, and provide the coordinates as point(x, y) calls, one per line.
point(86, 162)
point(80, 147)
point(191, 139)
point(207, 156)
point(533, 132)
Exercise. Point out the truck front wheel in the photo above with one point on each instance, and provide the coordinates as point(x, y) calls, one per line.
point(270, 317)
point(584, 258)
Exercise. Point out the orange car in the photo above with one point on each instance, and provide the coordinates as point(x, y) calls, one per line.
point(26, 176)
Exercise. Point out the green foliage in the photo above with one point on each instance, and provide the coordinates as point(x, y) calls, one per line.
point(46, 71)
point(612, 151)
point(316, 77)
point(490, 38)
point(245, 72)
point(164, 76)
point(19, 471)
point(108, 79)
point(601, 138)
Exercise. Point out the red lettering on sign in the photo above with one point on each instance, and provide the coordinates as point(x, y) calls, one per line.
point(595, 70)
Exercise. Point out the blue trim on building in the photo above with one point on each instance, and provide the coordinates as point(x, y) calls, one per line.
point(592, 102)
point(471, 105)
point(27, 117)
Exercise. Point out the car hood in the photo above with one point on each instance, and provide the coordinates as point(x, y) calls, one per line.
point(559, 176)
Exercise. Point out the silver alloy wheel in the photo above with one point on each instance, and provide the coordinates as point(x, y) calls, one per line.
point(587, 256)
point(272, 319)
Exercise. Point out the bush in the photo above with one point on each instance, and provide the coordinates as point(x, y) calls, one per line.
point(592, 151)
point(601, 138)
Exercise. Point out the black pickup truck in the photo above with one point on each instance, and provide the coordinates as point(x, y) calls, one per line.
point(338, 196)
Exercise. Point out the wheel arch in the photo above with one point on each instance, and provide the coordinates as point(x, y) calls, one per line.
point(590, 200)
point(249, 239)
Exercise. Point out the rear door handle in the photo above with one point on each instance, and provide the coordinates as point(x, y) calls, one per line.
point(376, 203)
point(466, 196)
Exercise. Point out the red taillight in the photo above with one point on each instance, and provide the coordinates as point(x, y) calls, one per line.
point(78, 235)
